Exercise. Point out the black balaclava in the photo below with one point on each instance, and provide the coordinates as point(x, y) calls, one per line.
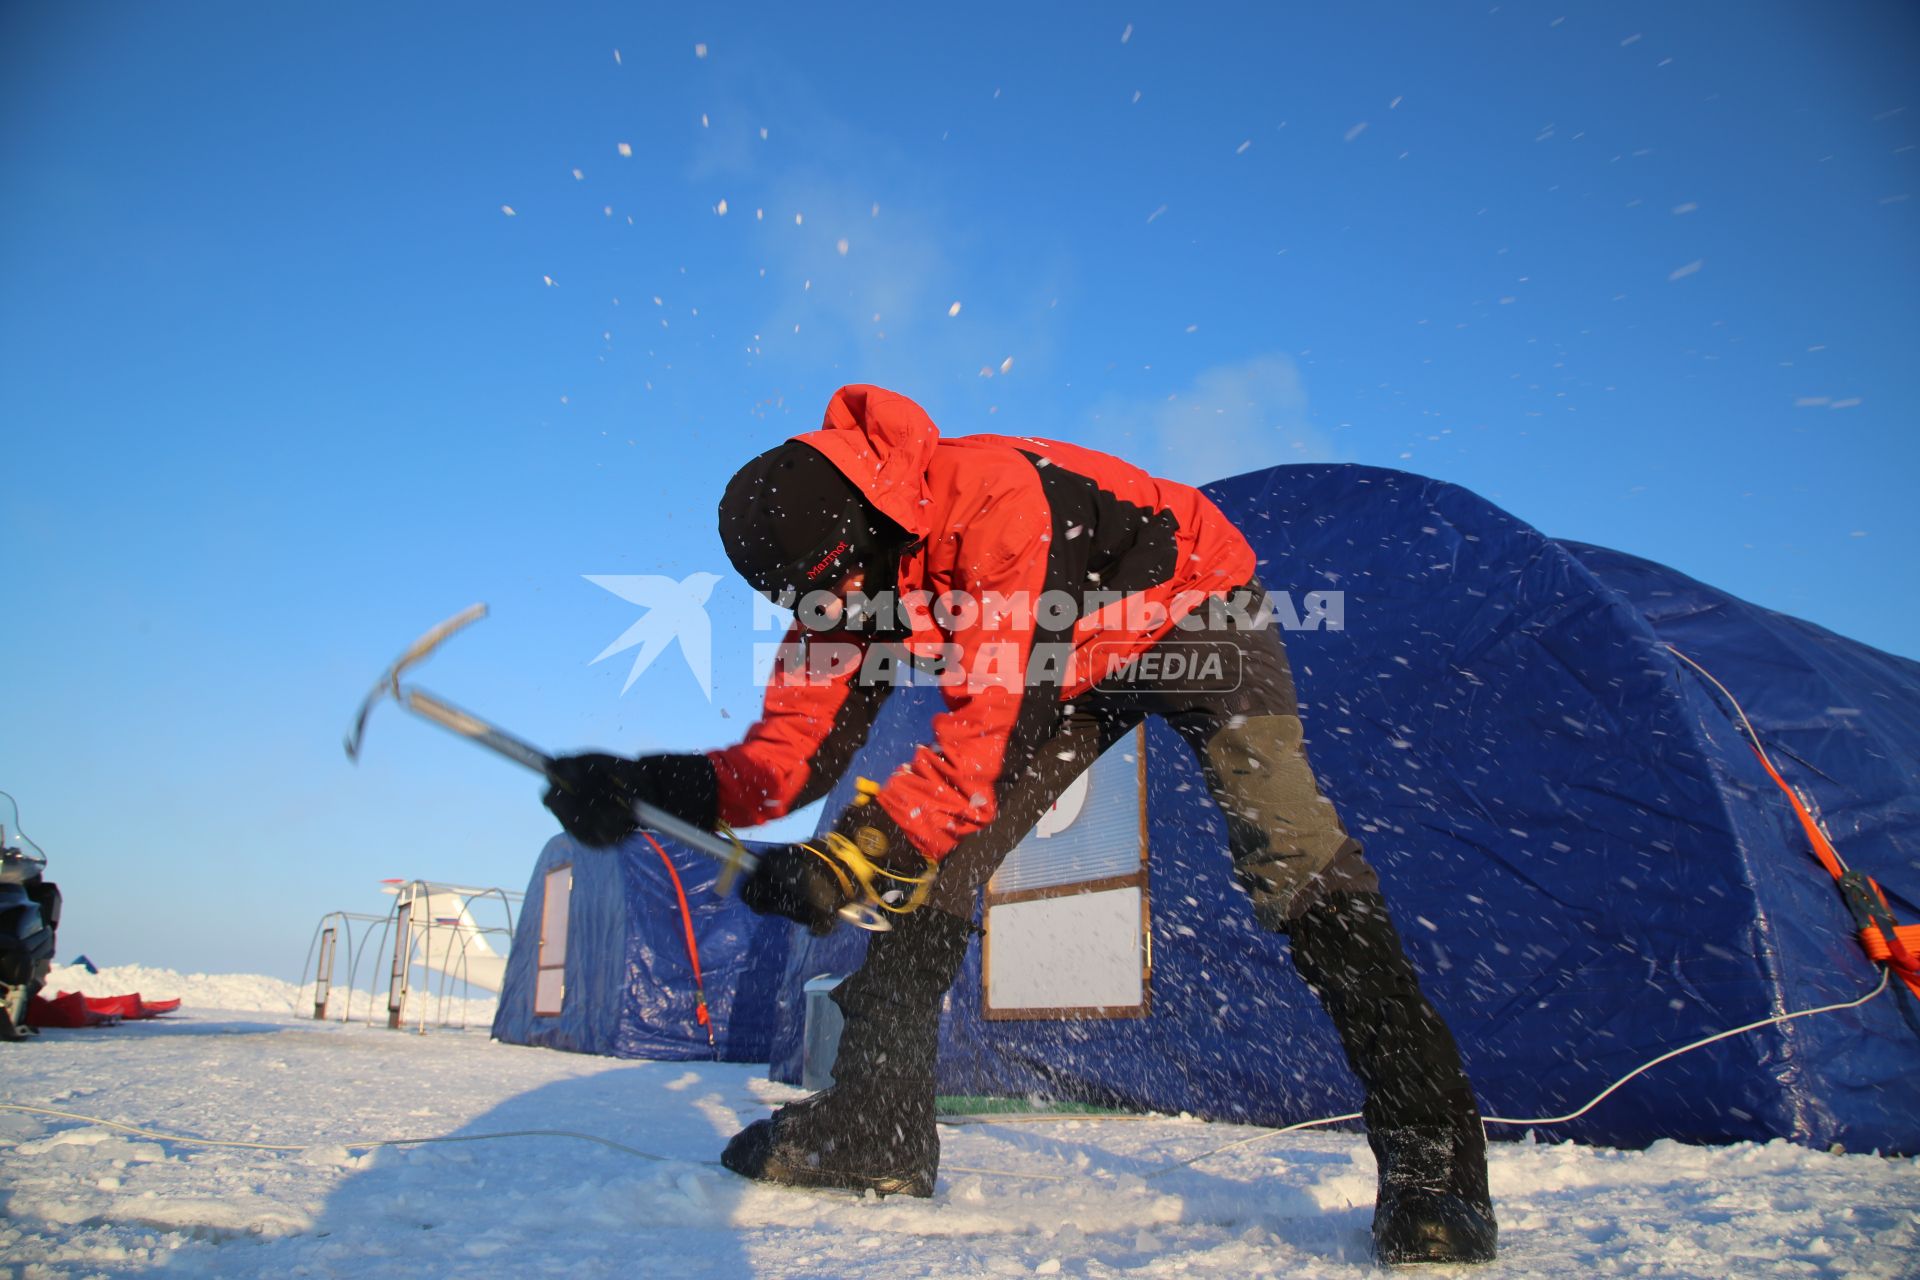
point(791, 522)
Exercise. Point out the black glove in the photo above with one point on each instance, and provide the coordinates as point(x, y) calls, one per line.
point(791, 881)
point(593, 794)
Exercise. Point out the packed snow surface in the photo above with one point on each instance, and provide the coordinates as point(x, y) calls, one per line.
point(1055, 1197)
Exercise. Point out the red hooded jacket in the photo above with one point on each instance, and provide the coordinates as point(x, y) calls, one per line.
point(1000, 519)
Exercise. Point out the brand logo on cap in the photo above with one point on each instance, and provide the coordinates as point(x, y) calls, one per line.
point(820, 567)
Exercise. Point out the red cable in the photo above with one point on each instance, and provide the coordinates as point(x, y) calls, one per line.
point(693, 948)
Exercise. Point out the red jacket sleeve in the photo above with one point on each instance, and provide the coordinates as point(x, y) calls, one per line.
point(812, 721)
point(951, 787)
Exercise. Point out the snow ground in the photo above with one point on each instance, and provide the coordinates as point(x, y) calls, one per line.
point(1060, 1197)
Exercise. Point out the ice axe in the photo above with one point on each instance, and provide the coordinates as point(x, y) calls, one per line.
point(731, 854)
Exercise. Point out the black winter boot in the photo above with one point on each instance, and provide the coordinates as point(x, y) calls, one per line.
point(873, 1129)
point(1422, 1123)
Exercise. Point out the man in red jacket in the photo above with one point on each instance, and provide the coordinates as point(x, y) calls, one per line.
point(1030, 575)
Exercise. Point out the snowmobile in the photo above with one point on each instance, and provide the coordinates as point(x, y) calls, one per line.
point(29, 915)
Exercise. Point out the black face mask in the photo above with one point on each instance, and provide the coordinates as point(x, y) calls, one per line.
point(861, 541)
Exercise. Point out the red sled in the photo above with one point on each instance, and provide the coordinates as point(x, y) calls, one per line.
point(71, 1009)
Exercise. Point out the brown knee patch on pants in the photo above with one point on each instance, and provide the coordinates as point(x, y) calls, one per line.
point(1288, 843)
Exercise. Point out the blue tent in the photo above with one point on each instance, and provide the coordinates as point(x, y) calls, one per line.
point(1588, 862)
point(601, 963)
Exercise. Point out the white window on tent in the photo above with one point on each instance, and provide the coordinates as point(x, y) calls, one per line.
point(1067, 926)
point(550, 979)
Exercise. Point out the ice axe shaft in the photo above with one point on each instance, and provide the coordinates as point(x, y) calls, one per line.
point(491, 736)
point(731, 854)
point(467, 725)
point(498, 740)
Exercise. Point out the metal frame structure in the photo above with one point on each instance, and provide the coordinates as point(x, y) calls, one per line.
point(406, 931)
point(326, 937)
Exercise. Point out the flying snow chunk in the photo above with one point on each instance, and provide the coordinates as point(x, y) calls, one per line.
point(1689, 207)
point(700, 51)
point(616, 57)
point(551, 283)
point(721, 208)
point(508, 210)
point(1242, 148)
point(626, 149)
point(1006, 364)
point(1127, 34)
point(954, 310)
point(1632, 39)
point(1849, 403)
point(1356, 131)
point(842, 245)
point(1681, 272)
point(577, 175)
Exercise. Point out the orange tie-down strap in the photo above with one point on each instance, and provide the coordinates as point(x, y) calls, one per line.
point(1907, 935)
point(1885, 941)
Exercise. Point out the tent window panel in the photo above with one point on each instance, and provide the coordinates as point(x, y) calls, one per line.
point(550, 982)
point(1066, 913)
point(1082, 954)
point(1092, 832)
point(549, 990)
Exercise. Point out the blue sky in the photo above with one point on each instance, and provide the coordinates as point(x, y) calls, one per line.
point(282, 383)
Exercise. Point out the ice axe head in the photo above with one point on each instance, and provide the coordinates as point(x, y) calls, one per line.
point(389, 683)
